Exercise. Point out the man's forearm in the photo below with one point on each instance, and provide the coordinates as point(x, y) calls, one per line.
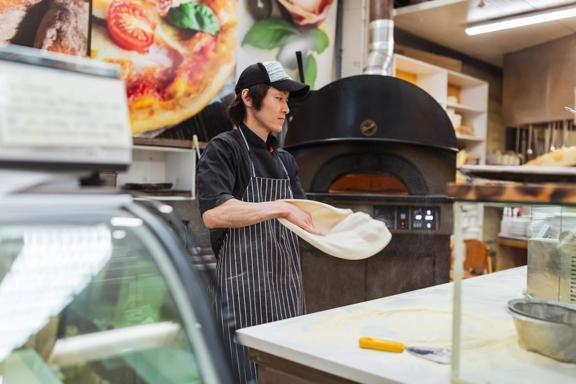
point(235, 213)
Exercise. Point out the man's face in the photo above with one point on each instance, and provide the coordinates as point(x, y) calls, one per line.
point(273, 110)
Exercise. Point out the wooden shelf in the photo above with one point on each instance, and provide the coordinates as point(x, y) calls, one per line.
point(514, 242)
point(157, 142)
point(462, 80)
point(464, 108)
point(469, 138)
point(160, 149)
point(512, 192)
point(165, 143)
point(414, 66)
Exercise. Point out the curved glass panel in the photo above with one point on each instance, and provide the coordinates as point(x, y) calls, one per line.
point(84, 301)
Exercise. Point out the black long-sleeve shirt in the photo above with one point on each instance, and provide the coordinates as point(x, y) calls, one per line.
point(224, 170)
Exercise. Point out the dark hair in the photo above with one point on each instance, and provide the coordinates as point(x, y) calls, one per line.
point(237, 109)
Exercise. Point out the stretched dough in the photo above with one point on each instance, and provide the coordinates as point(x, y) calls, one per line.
point(347, 235)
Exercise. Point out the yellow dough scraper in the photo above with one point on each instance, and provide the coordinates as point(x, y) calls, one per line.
point(435, 354)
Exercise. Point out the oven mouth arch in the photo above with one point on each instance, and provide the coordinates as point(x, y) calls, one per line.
point(382, 163)
point(369, 183)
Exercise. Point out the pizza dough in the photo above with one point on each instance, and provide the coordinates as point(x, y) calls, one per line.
point(563, 157)
point(347, 235)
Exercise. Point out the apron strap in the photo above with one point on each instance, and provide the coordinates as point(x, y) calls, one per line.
point(248, 148)
point(285, 171)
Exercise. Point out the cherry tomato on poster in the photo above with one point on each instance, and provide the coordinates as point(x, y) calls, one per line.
point(129, 26)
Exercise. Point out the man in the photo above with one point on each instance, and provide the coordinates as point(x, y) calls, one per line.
point(242, 178)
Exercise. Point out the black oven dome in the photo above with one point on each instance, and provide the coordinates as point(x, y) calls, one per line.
point(371, 107)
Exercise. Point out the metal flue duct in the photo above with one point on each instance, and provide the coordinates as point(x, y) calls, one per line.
point(381, 48)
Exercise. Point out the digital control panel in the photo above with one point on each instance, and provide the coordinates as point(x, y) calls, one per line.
point(408, 218)
point(423, 218)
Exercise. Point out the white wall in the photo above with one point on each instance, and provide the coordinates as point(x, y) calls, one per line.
point(354, 36)
point(247, 55)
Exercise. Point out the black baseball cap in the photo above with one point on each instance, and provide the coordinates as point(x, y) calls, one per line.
point(272, 73)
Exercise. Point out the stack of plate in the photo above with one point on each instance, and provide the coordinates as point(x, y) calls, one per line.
point(515, 226)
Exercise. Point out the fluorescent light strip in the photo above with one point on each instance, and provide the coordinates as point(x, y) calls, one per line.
point(54, 264)
point(521, 21)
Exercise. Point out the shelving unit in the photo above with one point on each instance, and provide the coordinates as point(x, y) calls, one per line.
point(472, 104)
point(429, 77)
point(155, 164)
point(470, 94)
point(463, 95)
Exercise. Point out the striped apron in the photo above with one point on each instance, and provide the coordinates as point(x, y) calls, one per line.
point(258, 273)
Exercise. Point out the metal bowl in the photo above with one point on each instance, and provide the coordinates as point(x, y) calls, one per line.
point(545, 327)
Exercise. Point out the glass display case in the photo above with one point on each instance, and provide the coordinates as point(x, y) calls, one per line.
point(97, 289)
point(94, 288)
point(518, 325)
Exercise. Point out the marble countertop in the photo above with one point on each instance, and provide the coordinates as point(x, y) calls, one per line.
point(328, 340)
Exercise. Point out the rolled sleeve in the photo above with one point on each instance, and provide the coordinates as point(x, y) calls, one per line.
point(215, 177)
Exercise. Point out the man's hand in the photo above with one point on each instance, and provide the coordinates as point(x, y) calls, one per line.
point(298, 217)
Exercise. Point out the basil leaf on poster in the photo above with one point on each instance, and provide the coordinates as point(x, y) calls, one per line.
point(310, 70)
point(269, 33)
point(195, 16)
point(318, 40)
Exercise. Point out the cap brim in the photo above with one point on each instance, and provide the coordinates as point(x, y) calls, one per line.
point(295, 88)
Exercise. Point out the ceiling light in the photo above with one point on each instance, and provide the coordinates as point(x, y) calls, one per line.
point(521, 20)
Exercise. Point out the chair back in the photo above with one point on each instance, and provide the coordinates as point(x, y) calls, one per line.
point(478, 260)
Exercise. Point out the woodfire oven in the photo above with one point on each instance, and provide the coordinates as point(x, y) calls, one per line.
point(383, 146)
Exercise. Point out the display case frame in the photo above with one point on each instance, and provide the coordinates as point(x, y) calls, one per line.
point(530, 366)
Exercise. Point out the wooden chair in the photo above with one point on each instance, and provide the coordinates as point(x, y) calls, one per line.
point(478, 259)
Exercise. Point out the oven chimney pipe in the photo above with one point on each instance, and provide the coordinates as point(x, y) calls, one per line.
point(381, 48)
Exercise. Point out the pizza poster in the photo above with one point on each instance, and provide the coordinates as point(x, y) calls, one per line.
point(53, 25)
point(277, 29)
point(176, 56)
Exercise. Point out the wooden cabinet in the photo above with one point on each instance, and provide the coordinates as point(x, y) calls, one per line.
point(511, 253)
